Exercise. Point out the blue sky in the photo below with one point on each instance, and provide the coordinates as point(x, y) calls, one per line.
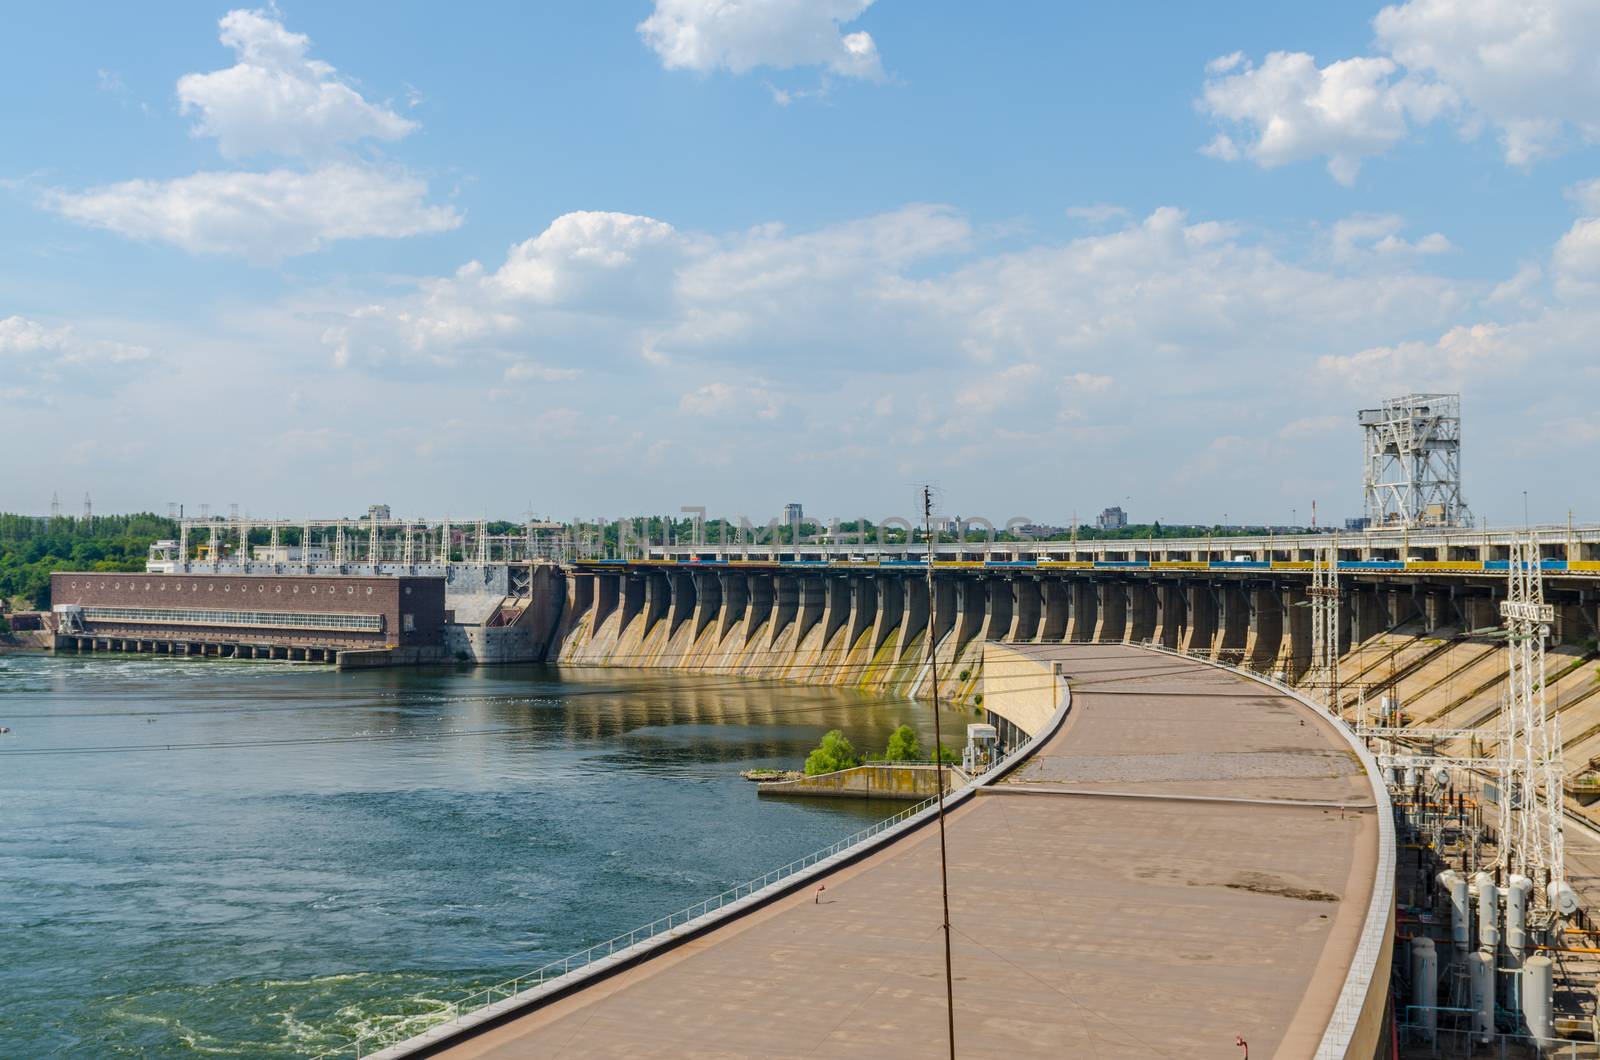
point(606, 258)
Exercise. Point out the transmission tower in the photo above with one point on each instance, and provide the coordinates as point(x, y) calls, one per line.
point(1413, 462)
point(1531, 808)
point(55, 506)
point(1324, 593)
point(88, 508)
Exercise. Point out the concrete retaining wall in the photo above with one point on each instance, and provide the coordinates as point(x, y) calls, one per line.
point(879, 780)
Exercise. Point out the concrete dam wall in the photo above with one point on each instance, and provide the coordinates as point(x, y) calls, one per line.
point(867, 628)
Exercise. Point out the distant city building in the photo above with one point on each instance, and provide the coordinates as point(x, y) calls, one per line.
point(1112, 519)
point(793, 513)
point(378, 511)
point(1360, 522)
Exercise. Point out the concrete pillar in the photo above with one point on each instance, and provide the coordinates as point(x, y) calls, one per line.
point(836, 611)
point(1371, 618)
point(863, 606)
point(891, 608)
point(735, 598)
point(1481, 610)
point(1436, 610)
point(997, 604)
point(1266, 628)
point(1201, 629)
point(1054, 627)
point(682, 608)
point(758, 605)
point(632, 602)
point(607, 590)
point(1233, 623)
point(946, 609)
point(914, 614)
point(1111, 612)
point(970, 611)
point(812, 600)
point(1025, 607)
point(657, 599)
point(1170, 614)
point(1142, 611)
point(1294, 647)
point(1081, 618)
point(785, 605)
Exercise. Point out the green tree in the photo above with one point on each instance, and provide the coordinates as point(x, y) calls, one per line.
point(903, 746)
point(948, 756)
point(833, 754)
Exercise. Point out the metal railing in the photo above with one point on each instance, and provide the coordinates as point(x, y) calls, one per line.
point(600, 951)
point(1449, 1042)
point(618, 947)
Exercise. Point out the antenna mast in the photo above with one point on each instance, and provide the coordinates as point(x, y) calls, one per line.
point(938, 758)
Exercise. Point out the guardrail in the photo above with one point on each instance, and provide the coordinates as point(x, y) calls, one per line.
point(683, 921)
point(368, 1044)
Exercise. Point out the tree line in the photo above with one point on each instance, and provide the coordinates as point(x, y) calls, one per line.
point(34, 547)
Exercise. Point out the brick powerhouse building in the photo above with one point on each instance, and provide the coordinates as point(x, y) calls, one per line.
point(266, 616)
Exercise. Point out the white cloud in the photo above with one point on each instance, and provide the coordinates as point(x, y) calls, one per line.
point(1587, 195)
point(1527, 69)
point(276, 100)
point(1354, 238)
point(1462, 354)
point(740, 35)
point(36, 358)
point(260, 216)
point(1289, 109)
point(634, 286)
point(736, 401)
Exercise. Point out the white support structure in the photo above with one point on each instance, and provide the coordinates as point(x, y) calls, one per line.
point(1413, 462)
point(1531, 807)
point(1324, 593)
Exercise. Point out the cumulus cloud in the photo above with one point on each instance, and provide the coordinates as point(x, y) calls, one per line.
point(1462, 354)
point(1354, 238)
point(740, 35)
point(635, 286)
point(260, 216)
point(276, 100)
point(35, 358)
point(1289, 109)
point(1526, 69)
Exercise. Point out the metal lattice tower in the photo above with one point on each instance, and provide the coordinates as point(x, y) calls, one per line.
point(1324, 594)
point(1531, 806)
point(1413, 462)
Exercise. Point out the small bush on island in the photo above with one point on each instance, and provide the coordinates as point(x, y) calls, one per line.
point(903, 746)
point(833, 754)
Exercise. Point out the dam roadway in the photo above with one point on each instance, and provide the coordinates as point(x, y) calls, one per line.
point(1190, 856)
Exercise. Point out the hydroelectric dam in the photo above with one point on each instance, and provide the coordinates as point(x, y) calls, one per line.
point(1244, 775)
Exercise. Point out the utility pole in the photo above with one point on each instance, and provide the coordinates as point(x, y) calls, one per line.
point(938, 758)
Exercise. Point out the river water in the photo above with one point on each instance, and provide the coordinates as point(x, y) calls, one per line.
point(264, 859)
